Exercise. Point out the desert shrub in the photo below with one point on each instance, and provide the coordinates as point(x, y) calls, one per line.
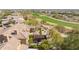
point(72, 41)
point(60, 28)
point(31, 22)
point(33, 46)
point(44, 45)
point(30, 39)
point(55, 36)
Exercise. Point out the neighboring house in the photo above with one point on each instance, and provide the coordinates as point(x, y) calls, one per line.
point(5, 23)
point(18, 19)
point(14, 19)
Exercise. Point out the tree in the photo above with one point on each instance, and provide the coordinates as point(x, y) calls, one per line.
point(31, 43)
point(60, 28)
point(33, 22)
point(40, 31)
point(43, 21)
point(30, 39)
point(7, 12)
point(72, 41)
point(57, 39)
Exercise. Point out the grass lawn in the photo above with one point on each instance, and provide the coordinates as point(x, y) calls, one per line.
point(53, 20)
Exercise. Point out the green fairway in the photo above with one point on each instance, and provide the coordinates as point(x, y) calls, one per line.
point(53, 20)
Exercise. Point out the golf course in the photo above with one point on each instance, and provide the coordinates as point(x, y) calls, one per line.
point(57, 21)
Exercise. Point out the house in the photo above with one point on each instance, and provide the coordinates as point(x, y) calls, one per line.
point(39, 38)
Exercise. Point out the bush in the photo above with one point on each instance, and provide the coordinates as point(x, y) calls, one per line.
point(33, 46)
point(33, 22)
point(45, 45)
point(43, 22)
point(30, 39)
point(60, 28)
point(72, 41)
point(57, 39)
